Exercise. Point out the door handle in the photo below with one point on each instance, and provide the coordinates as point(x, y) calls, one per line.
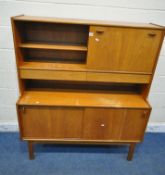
point(99, 31)
point(102, 125)
point(23, 109)
point(144, 114)
point(152, 34)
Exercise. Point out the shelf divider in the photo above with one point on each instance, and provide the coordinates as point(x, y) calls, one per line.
point(53, 46)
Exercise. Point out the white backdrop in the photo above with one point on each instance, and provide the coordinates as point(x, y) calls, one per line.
point(117, 10)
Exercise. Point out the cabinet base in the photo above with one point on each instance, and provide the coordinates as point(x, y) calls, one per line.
point(32, 156)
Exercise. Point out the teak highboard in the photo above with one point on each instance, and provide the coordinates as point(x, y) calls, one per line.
point(84, 81)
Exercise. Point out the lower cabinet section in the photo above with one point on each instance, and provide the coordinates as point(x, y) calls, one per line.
point(83, 123)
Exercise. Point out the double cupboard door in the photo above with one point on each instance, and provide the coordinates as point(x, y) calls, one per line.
point(83, 123)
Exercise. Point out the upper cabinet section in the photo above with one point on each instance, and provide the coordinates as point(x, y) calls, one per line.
point(103, 46)
point(123, 49)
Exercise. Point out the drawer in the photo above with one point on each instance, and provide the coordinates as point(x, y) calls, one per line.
point(51, 122)
point(52, 74)
point(118, 77)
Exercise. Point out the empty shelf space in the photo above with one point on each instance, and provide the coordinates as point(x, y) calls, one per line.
point(80, 99)
point(54, 56)
point(53, 46)
point(75, 86)
point(57, 33)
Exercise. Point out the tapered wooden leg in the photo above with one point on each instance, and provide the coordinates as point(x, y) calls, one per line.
point(131, 151)
point(31, 150)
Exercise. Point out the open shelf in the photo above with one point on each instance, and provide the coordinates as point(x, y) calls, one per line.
point(53, 85)
point(54, 56)
point(80, 99)
point(53, 46)
point(49, 33)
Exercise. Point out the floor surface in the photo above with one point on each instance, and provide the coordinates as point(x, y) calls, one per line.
point(149, 158)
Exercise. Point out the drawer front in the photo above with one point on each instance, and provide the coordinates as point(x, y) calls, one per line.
point(118, 77)
point(51, 123)
point(52, 75)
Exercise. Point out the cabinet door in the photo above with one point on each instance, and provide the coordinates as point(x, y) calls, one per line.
point(123, 49)
point(51, 123)
point(114, 124)
point(135, 124)
point(67, 123)
point(103, 124)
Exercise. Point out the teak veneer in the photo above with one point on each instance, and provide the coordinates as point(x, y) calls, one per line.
point(84, 81)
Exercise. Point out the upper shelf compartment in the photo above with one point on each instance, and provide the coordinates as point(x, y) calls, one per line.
point(53, 33)
point(52, 42)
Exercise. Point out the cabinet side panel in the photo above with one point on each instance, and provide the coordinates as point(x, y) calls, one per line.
point(18, 54)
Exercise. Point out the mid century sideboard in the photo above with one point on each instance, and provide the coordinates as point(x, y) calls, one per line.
point(84, 81)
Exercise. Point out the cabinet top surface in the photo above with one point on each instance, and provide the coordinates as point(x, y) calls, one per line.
point(82, 99)
point(85, 21)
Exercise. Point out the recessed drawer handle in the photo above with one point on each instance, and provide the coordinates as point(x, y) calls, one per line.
point(99, 31)
point(152, 34)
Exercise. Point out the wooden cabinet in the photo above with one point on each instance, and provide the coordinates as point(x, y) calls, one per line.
point(84, 81)
point(123, 49)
